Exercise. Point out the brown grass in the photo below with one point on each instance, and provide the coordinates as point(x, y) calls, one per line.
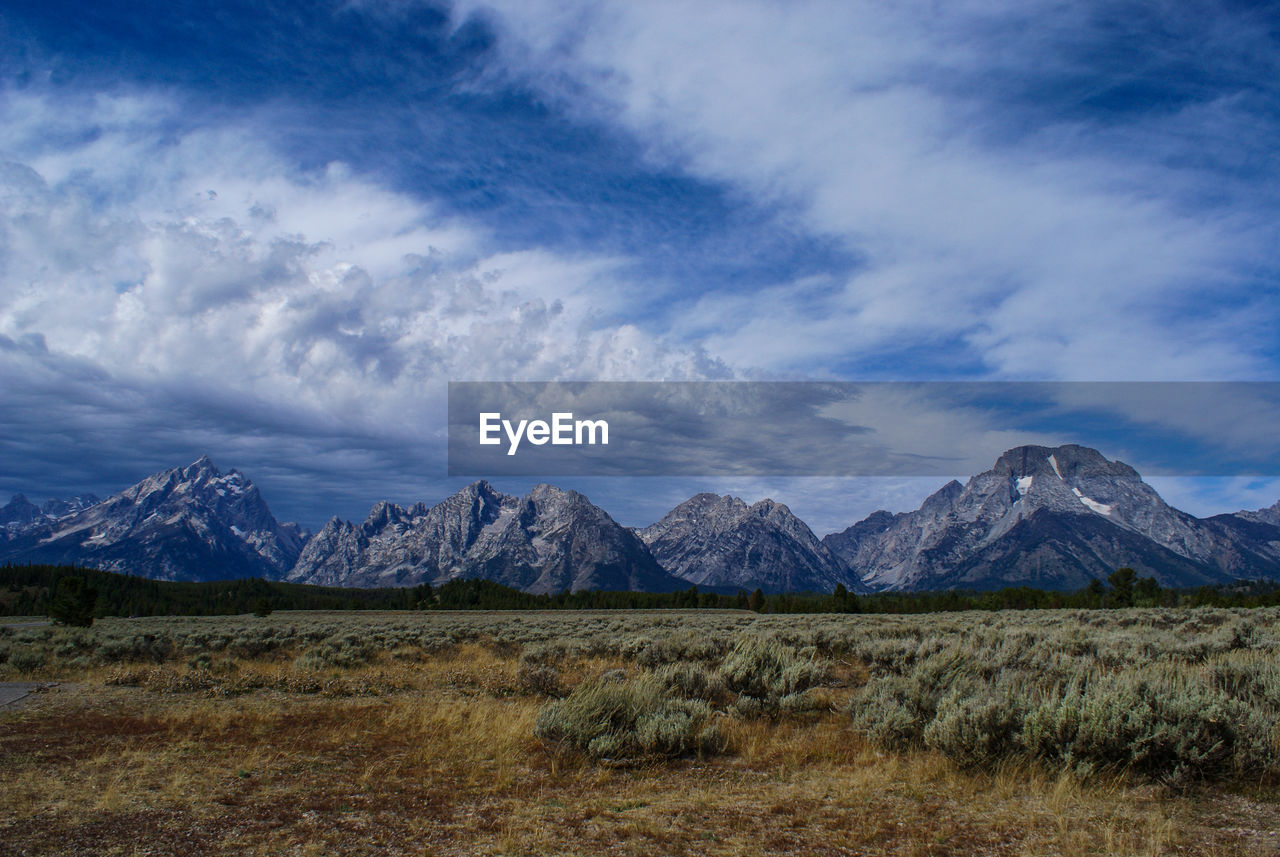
point(436, 756)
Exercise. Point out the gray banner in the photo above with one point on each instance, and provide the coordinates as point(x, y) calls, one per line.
point(718, 428)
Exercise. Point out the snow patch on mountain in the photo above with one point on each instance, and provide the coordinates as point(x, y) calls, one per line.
point(1100, 508)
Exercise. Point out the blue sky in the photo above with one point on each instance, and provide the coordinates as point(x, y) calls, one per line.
point(272, 232)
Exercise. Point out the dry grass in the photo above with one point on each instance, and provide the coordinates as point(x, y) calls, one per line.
point(434, 754)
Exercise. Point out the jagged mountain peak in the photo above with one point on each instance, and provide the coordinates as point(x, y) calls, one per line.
point(202, 468)
point(185, 523)
point(385, 513)
point(550, 540)
point(477, 488)
point(721, 541)
point(1065, 462)
point(548, 503)
point(769, 506)
point(547, 491)
point(1266, 515)
point(1043, 516)
point(945, 496)
point(57, 508)
point(20, 511)
point(548, 494)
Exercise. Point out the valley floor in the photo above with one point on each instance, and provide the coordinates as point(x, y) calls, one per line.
point(422, 751)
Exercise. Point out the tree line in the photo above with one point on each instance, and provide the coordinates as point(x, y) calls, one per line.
point(76, 595)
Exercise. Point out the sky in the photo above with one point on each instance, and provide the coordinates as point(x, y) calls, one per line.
point(273, 232)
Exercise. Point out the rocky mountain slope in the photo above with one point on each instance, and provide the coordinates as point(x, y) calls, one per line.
point(723, 542)
point(1051, 518)
point(1044, 517)
point(20, 513)
point(188, 523)
point(548, 541)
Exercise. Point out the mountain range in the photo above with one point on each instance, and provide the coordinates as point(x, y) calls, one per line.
point(548, 541)
point(1047, 517)
point(1054, 518)
point(188, 523)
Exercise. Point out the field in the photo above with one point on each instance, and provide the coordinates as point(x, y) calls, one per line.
point(667, 732)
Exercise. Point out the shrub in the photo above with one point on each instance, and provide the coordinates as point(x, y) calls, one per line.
point(976, 728)
point(1174, 731)
point(892, 712)
point(348, 650)
point(26, 660)
point(153, 648)
point(692, 681)
point(683, 647)
point(629, 719)
point(538, 678)
point(768, 669)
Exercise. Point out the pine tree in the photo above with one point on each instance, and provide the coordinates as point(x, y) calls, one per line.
point(73, 602)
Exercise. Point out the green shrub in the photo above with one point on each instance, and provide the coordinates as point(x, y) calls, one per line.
point(27, 660)
point(1176, 731)
point(345, 651)
point(768, 669)
point(628, 719)
point(152, 648)
point(976, 728)
point(892, 712)
point(692, 680)
point(682, 647)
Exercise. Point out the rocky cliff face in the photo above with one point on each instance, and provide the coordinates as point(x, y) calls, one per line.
point(723, 542)
point(1047, 517)
point(188, 523)
point(548, 541)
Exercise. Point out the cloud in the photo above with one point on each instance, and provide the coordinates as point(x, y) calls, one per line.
point(1087, 239)
point(280, 261)
point(194, 292)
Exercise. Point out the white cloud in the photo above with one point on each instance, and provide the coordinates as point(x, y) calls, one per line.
point(1050, 257)
point(202, 258)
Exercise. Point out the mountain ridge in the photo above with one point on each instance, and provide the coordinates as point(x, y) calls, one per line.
point(1067, 511)
point(184, 523)
point(1052, 517)
point(547, 541)
point(723, 541)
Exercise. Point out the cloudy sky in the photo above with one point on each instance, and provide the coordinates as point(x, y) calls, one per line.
point(273, 232)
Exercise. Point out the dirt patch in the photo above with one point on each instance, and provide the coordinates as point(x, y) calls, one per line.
point(16, 694)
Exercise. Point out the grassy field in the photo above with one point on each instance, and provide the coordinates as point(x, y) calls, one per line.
point(1049, 732)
